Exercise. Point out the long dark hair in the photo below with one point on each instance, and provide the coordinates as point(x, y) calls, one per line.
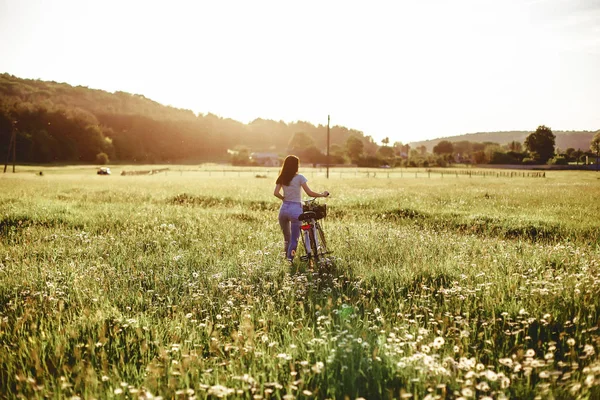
point(288, 170)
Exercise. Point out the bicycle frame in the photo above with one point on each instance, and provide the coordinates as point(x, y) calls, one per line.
point(312, 235)
point(305, 232)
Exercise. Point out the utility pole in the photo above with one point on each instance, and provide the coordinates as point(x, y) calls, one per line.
point(327, 146)
point(12, 147)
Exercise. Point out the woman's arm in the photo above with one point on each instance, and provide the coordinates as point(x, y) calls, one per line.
point(277, 192)
point(313, 194)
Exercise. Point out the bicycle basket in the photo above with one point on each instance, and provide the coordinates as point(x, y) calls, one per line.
point(319, 209)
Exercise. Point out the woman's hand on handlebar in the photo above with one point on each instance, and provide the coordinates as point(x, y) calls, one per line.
point(326, 194)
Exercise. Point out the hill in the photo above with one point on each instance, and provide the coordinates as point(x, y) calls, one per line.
point(564, 139)
point(57, 122)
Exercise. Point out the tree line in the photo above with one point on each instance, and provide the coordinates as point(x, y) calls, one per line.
point(56, 122)
point(539, 147)
point(59, 123)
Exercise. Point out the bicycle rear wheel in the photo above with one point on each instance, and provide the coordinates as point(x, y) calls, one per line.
point(322, 245)
point(313, 245)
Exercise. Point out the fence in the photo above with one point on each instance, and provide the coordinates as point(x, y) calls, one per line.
point(342, 173)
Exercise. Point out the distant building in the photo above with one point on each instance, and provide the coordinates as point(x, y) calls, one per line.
point(265, 159)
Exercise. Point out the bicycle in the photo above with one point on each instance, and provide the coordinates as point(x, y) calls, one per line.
point(311, 232)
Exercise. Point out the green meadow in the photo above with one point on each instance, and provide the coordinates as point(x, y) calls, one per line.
point(174, 286)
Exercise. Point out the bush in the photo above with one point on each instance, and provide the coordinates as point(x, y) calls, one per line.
point(498, 157)
point(558, 160)
point(528, 161)
point(241, 160)
point(102, 158)
point(369, 162)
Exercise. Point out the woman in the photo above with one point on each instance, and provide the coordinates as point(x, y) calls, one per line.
point(291, 181)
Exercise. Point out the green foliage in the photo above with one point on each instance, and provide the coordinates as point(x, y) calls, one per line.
point(304, 147)
point(61, 123)
point(354, 147)
point(479, 157)
point(368, 161)
point(528, 161)
point(564, 139)
point(102, 158)
point(515, 146)
point(443, 147)
point(241, 157)
point(558, 160)
point(595, 144)
point(386, 154)
point(540, 144)
point(300, 142)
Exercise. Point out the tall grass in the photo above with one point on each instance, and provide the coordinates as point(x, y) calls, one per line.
point(175, 286)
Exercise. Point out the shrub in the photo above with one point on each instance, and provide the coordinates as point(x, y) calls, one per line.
point(102, 158)
point(558, 160)
point(369, 162)
point(499, 157)
point(528, 161)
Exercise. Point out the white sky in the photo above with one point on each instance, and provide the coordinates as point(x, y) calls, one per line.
point(409, 70)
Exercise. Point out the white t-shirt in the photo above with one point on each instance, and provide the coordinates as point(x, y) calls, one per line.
point(293, 192)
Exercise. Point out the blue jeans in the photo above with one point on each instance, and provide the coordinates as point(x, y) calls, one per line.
point(290, 225)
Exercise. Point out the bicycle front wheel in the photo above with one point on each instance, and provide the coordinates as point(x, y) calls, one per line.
point(313, 245)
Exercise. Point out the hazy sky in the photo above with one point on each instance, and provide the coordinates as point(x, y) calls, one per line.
point(409, 70)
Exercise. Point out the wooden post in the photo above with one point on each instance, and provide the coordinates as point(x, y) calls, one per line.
point(327, 146)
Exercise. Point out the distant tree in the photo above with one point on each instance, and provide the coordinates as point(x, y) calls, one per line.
point(569, 154)
point(354, 147)
point(337, 154)
point(595, 147)
point(540, 144)
point(240, 157)
point(515, 146)
point(517, 156)
point(422, 150)
point(369, 146)
point(443, 147)
point(401, 149)
point(386, 154)
point(464, 148)
point(385, 141)
point(478, 147)
point(369, 162)
point(300, 142)
point(479, 157)
point(312, 155)
point(495, 154)
point(336, 150)
point(102, 158)
point(558, 160)
point(576, 155)
point(405, 149)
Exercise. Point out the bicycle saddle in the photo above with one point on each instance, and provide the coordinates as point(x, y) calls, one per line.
point(307, 215)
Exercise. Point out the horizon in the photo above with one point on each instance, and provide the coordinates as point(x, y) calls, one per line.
point(410, 72)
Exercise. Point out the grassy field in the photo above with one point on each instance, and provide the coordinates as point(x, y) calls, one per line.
point(174, 285)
